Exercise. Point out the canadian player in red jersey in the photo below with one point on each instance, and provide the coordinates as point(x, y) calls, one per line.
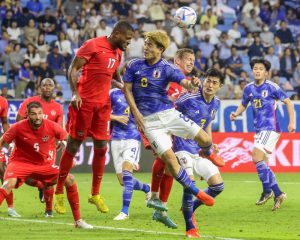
point(162, 180)
point(89, 111)
point(32, 157)
point(52, 111)
point(10, 198)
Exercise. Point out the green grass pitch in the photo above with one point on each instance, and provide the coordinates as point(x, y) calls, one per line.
point(234, 216)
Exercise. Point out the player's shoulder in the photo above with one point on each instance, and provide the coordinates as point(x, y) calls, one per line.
point(188, 96)
point(114, 91)
point(217, 101)
point(167, 64)
point(135, 62)
point(272, 84)
point(3, 100)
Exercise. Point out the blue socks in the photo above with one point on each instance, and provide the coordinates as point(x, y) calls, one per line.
point(273, 183)
point(138, 185)
point(213, 191)
point(127, 190)
point(263, 174)
point(206, 150)
point(186, 182)
point(187, 208)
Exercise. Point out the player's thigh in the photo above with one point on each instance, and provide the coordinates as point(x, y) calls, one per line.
point(131, 151)
point(204, 168)
point(79, 121)
point(116, 148)
point(46, 173)
point(100, 126)
point(266, 141)
point(180, 125)
point(186, 161)
point(18, 170)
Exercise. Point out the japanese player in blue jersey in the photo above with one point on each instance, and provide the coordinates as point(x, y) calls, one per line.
point(146, 81)
point(201, 107)
point(262, 95)
point(125, 149)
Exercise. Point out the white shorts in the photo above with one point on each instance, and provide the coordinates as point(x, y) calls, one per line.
point(266, 141)
point(160, 126)
point(193, 163)
point(125, 150)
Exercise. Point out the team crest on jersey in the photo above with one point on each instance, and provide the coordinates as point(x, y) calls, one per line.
point(45, 138)
point(156, 73)
point(53, 112)
point(264, 93)
point(213, 113)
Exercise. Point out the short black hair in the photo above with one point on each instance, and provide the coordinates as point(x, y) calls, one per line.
point(33, 105)
point(123, 26)
point(265, 62)
point(213, 72)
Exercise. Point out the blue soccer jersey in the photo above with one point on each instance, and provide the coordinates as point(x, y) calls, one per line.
point(263, 100)
point(194, 106)
point(120, 107)
point(150, 84)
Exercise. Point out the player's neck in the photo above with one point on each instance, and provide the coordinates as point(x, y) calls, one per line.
point(46, 99)
point(153, 61)
point(259, 82)
point(207, 97)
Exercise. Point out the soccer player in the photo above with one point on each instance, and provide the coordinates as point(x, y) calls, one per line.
point(52, 111)
point(201, 107)
point(32, 157)
point(263, 94)
point(125, 149)
point(89, 111)
point(146, 82)
point(162, 180)
point(5, 125)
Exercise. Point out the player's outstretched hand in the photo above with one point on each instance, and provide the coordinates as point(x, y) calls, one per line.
point(291, 127)
point(76, 101)
point(123, 119)
point(233, 116)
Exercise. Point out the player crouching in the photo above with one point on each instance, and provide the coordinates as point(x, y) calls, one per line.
point(32, 157)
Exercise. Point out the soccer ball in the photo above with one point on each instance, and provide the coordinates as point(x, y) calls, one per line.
point(185, 17)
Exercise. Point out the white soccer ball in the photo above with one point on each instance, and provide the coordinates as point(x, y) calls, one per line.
point(185, 17)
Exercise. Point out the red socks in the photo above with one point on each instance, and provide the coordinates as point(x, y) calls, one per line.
point(48, 196)
point(65, 166)
point(10, 200)
point(158, 169)
point(165, 187)
point(73, 198)
point(3, 195)
point(98, 166)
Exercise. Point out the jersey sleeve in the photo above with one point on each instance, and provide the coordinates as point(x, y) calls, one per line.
point(87, 50)
point(22, 109)
point(129, 73)
point(60, 116)
point(245, 97)
point(280, 94)
point(4, 108)
point(10, 134)
point(181, 102)
point(176, 75)
point(60, 133)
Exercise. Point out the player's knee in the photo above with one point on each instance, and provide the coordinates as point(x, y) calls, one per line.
point(9, 184)
point(70, 180)
point(203, 139)
point(73, 145)
point(100, 143)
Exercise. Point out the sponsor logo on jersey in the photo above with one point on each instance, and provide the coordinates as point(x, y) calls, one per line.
point(53, 112)
point(264, 93)
point(45, 138)
point(156, 73)
point(80, 133)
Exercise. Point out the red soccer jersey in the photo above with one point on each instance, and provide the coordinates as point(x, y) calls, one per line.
point(3, 107)
point(51, 110)
point(102, 61)
point(174, 90)
point(34, 145)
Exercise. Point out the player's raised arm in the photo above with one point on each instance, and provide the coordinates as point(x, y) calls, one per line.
point(291, 113)
point(191, 85)
point(138, 117)
point(75, 66)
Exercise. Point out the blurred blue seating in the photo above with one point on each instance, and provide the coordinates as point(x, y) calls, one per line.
point(49, 38)
point(61, 79)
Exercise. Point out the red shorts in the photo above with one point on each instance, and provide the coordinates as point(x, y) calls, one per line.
point(46, 173)
point(92, 119)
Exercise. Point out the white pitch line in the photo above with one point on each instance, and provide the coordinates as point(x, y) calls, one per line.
point(113, 228)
